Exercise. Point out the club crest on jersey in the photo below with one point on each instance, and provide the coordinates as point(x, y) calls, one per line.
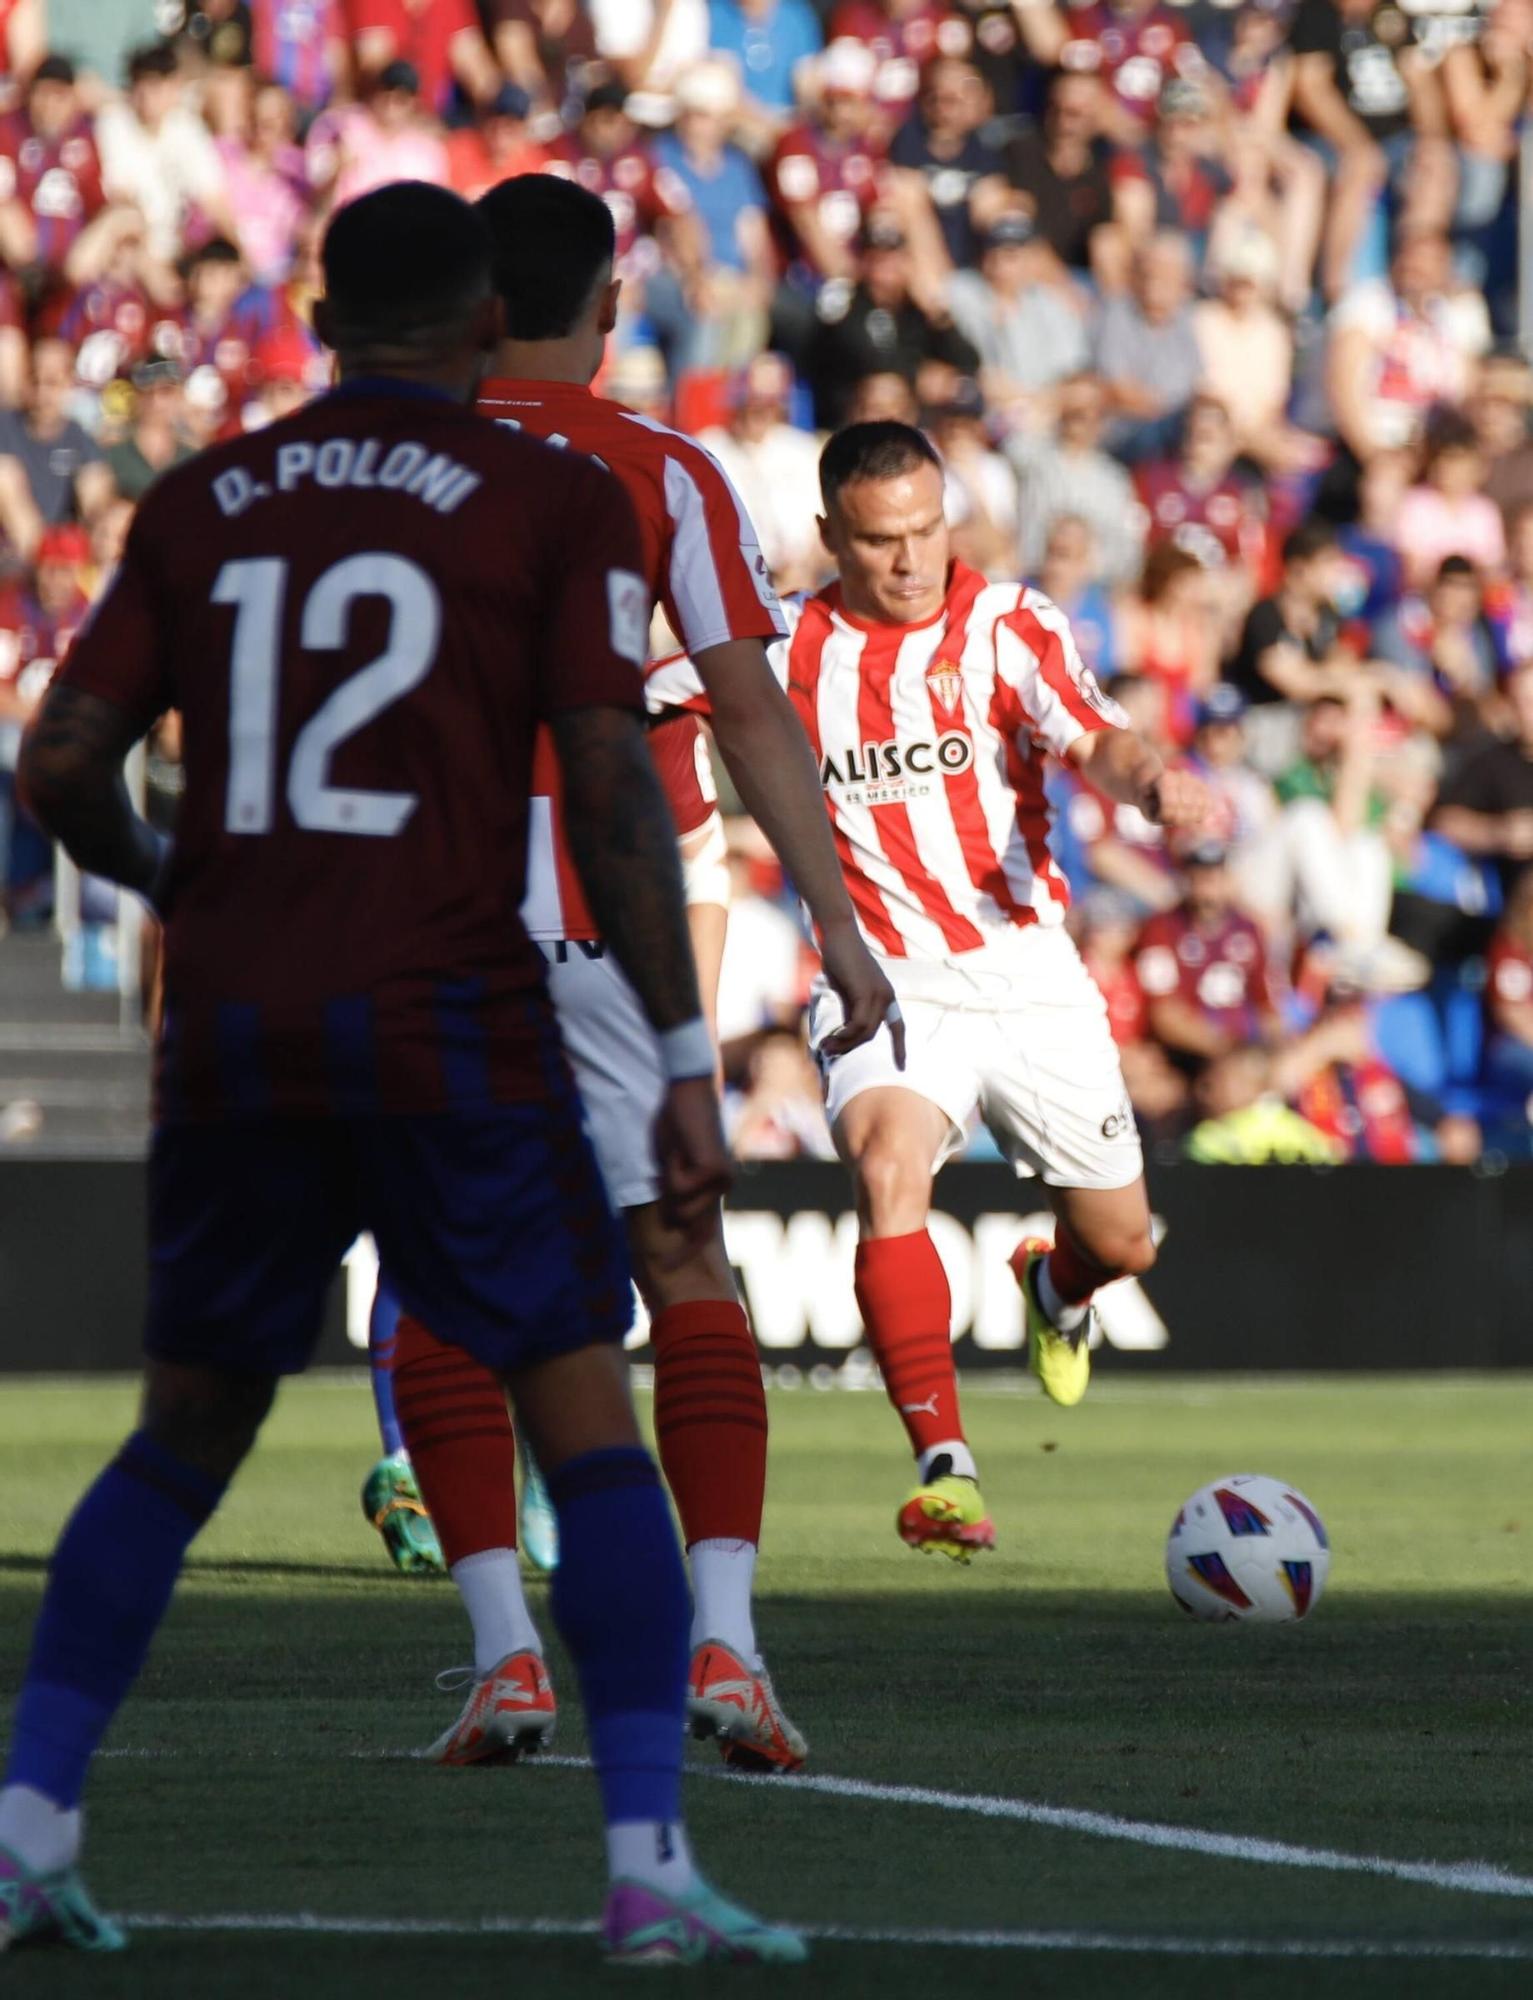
point(945, 679)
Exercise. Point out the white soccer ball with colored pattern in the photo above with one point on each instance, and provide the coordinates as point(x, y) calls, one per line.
point(1248, 1547)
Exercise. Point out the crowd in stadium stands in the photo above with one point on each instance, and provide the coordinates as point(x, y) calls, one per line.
point(1211, 309)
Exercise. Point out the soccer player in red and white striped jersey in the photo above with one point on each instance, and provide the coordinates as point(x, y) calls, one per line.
point(932, 700)
point(702, 565)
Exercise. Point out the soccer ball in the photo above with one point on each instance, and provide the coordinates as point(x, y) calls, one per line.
point(1248, 1547)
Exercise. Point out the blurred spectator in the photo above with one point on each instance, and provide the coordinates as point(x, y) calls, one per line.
point(1328, 865)
point(1399, 346)
point(649, 43)
point(1509, 991)
point(823, 179)
point(51, 191)
point(941, 154)
point(213, 335)
point(1063, 174)
point(23, 37)
point(1168, 635)
point(720, 319)
point(878, 327)
point(1441, 639)
point(1107, 926)
point(1485, 78)
point(1485, 804)
point(903, 35)
point(157, 153)
point(1136, 46)
point(1375, 575)
point(108, 323)
point(51, 470)
point(441, 40)
point(1509, 601)
point(779, 1115)
point(498, 148)
point(1202, 968)
point(1373, 99)
point(1498, 406)
point(1290, 648)
point(207, 33)
point(388, 136)
point(157, 437)
point(301, 46)
point(1027, 336)
point(775, 468)
point(1071, 474)
point(1244, 806)
point(883, 397)
point(761, 981)
point(637, 378)
point(1066, 575)
point(288, 368)
point(981, 488)
point(1147, 352)
point(1247, 1124)
point(1447, 514)
point(1199, 499)
point(1100, 841)
point(545, 47)
point(264, 173)
point(1246, 352)
point(769, 42)
point(1177, 181)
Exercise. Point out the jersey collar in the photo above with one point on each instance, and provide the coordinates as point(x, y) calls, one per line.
point(958, 574)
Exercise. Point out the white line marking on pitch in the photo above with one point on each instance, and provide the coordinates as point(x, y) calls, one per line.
point(302, 1923)
point(1480, 1878)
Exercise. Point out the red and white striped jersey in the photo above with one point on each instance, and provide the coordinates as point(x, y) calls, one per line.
point(932, 742)
point(702, 564)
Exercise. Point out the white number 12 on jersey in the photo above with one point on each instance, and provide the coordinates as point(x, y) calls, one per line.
point(256, 588)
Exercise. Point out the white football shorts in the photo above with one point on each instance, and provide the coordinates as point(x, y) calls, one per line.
point(1028, 1050)
point(616, 1060)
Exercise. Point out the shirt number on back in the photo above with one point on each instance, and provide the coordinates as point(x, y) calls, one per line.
point(256, 588)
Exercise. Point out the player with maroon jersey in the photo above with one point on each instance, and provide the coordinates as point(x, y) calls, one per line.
point(554, 268)
point(363, 614)
point(931, 699)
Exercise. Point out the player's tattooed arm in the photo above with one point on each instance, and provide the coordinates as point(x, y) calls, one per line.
point(623, 842)
point(71, 775)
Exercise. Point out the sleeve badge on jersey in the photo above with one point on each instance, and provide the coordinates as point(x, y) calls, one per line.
point(628, 611)
point(1091, 688)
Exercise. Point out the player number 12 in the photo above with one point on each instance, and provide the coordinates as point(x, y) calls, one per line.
point(256, 587)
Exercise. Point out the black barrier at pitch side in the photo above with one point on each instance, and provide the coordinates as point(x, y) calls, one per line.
point(1262, 1268)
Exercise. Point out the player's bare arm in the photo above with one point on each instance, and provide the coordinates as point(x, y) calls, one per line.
point(623, 844)
point(71, 772)
point(767, 754)
point(1127, 768)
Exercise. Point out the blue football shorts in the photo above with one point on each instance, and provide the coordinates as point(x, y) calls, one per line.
point(493, 1226)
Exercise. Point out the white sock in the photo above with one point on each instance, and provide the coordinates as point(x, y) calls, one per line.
point(723, 1576)
point(1062, 1317)
point(41, 1835)
point(963, 1466)
point(655, 1852)
point(490, 1584)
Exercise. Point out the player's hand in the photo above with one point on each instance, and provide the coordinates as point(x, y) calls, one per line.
point(867, 998)
point(1178, 801)
point(695, 1167)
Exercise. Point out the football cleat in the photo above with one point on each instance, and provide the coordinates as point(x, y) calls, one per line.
point(539, 1522)
point(509, 1714)
point(738, 1706)
point(946, 1514)
point(642, 1926)
point(1061, 1361)
point(51, 1909)
point(391, 1500)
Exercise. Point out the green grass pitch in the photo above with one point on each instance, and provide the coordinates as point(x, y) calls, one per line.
point(258, 1768)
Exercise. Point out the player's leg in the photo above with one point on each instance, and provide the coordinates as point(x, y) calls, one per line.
point(391, 1498)
point(711, 1429)
point(892, 1138)
point(247, 1227)
point(501, 1223)
point(456, 1424)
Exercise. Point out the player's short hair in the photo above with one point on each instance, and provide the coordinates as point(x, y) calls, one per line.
point(552, 242)
point(872, 451)
point(402, 264)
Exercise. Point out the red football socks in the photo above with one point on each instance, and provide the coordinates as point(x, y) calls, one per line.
point(907, 1308)
point(1073, 1274)
point(457, 1429)
point(710, 1419)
